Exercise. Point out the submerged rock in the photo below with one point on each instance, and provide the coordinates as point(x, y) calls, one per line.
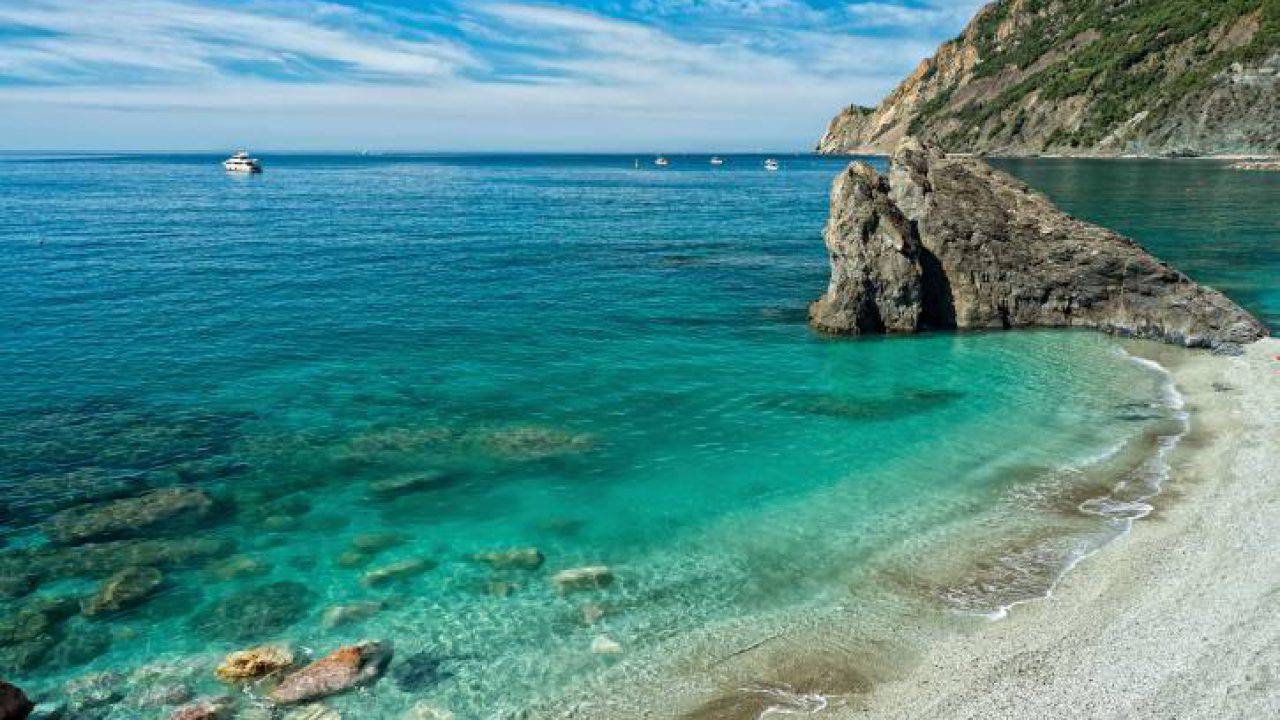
point(591, 577)
point(254, 663)
point(236, 567)
point(124, 590)
point(19, 585)
point(952, 243)
point(14, 704)
point(397, 571)
point(255, 612)
point(410, 483)
point(376, 542)
point(605, 645)
point(78, 646)
point(96, 690)
point(343, 669)
point(529, 558)
point(350, 613)
point(420, 671)
point(206, 708)
point(423, 710)
point(312, 712)
point(128, 516)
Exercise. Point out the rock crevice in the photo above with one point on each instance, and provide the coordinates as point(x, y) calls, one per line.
point(952, 243)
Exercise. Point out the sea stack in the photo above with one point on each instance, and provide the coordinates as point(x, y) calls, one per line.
point(951, 243)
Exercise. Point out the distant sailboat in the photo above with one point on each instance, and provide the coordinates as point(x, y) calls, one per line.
point(717, 161)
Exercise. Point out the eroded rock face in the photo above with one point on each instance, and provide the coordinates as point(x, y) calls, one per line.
point(343, 669)
point(254, 663)
point(952, 243)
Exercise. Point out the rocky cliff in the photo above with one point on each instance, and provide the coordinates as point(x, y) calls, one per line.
point(952, 243)
point(1089, 77)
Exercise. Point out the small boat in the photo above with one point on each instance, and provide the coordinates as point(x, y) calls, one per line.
point(661, 161)
point(241, 162)
point(717, 161)
point(771, 165)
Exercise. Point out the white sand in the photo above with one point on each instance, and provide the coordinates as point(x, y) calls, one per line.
point(1179, 619)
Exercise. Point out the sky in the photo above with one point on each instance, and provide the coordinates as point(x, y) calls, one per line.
point(450, 75)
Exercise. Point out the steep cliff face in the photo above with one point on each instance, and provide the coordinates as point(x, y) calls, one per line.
point(1089, 77)
point(952, 243)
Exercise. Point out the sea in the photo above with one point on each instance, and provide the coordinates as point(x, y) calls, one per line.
point(395, 397)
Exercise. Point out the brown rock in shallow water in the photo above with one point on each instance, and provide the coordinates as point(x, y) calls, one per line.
point(125, 589)
point(952, 243)
point(254, 663)
point(343, 669)
point(397, 571)
point(14, 704)
point(126, 517)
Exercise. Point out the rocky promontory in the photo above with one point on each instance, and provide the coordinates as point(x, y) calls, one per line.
point(953, 243)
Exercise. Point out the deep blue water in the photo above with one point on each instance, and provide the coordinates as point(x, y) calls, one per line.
point(365, 362)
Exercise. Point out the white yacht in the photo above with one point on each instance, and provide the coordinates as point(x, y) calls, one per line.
point(717, 161)
point(661, 161)
point(241, 162)
point(771, 164)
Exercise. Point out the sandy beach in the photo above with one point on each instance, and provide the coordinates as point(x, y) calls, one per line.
point(1175, 620)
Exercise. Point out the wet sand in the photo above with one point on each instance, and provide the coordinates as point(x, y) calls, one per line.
point(1178, 619)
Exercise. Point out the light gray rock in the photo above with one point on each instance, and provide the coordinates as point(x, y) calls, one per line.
point(952, 243)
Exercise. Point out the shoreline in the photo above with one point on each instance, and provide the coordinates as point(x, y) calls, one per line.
point(1175, 618)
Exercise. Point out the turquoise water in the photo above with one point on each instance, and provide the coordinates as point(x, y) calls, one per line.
point(403, 361)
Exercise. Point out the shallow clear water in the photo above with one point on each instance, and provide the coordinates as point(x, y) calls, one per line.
point(431, 357)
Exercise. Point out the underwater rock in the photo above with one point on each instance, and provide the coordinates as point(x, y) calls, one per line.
point(423, 710)
point(949, 242)
point(312, 712)
point(91, 691)
point(163, 695)
point(105, 559)
point(528, 442)
point(18, 585)
point(605, 645)
point(42, 495)
point(253, 613)
point(128, 516)
point(410, 483)
point(14, 704)
point(254, 663)
point(125, 589)
point(397, 571)
point(237, 566)
point(36, 619)
point(78, 646)
point(529, 558)
point(350, 613)
point(220, 707)
point(590, 577)
point(420, 671)
point(343, 669)
point(354, 559)
point(499, 588)
point(376, 542)
point(591, 613)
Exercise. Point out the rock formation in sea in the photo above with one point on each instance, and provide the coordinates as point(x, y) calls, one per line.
point(339, 671)
point(1088, 77)
point(953, 243)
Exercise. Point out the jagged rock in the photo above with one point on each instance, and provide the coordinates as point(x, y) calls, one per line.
point(124, 590)
point(128, 516)
point(952, 243)
point(397, 571)
point(255, 612)
point(590, 577)
point(206, 708)
point(14, 704)
point(254, 663)
point(529, 558)
point(343, 669)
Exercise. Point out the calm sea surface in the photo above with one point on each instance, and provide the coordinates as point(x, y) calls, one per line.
point(352, 374)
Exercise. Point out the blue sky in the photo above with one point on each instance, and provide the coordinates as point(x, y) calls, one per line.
point(465, 75)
